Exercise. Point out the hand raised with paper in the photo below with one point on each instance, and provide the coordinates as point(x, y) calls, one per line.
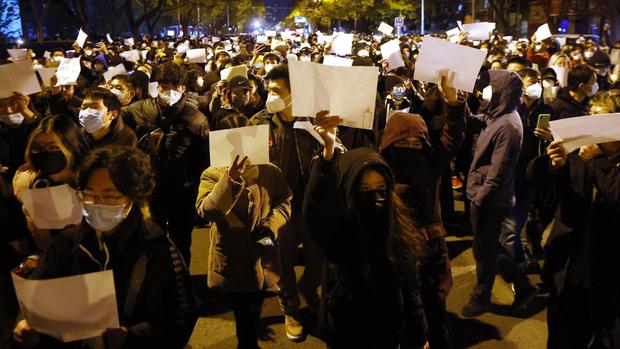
point(115, 337)
point(235, 171)
point(326, 127)
point(557, 153)
point(447, 81)
point(589, 152)
point(25, 336)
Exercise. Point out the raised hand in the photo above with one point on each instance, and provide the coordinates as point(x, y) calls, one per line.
point(326, 127)
point(235, 171)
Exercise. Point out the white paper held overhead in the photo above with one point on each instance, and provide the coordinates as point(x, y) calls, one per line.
point(349, 92)
point(81, 38)
point(198, 55)
point(250, 141)
point(437, 55)
point(229, 73)
point(342, 44)
point(68, 71)
point(543, 32)
point(386, 28)
point(478, 31)
point(18, 54)
point(18, 77)
point(109, 38)
point(390, 51)
point(114, 71)
point(337, 61)
point(46, 74)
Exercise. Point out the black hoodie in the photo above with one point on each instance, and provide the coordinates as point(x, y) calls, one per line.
point(491, 176)
point(365, 302)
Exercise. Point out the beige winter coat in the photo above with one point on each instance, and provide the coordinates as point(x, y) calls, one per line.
point(237, 263)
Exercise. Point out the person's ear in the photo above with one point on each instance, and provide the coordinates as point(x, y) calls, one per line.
point(113, 115)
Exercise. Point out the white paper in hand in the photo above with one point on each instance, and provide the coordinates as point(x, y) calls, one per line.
point(68, 71)
point(18, 77)
point(478, 31)
point(114, 71)
point(250, 141)
point(183, 47)
point(129, 42)
point(270, 33)
point(561, 74)
point(462, 61)
point(275, 43)
point(52, 207)
point(198, 55)
point(46, 74)
point(337, 61)
point(584, 130)
point(543, 32)
point(18, 54)
point(131, 56)
point(342, 44)
point(109, 38)
point(229, 73)
point(47, 54)
point(153, 91)
point(81, 38)
point(390, 51)
point(261, 39)
point(307, 126)
point(386, 28)
point(348, 92)
point(69, 308)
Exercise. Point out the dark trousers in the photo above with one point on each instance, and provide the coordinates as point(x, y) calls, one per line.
point(247, 308)
point(175, 211)
point(511, 259)
point(436, 280)
point(486, 223)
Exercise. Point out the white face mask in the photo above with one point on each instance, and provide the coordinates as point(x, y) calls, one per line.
point(304, 58)
point(547, 83)
point(533, 91)
point(614, 77)
point(269, 67)
point(123, 97)
point(588, 54)
point(91, 119)
point(487, 93)
point(170, 97)
point(593, 90)
point(88, 52)
point(363, 53)
point(12, 119)
point(58, 58)
point(275, 104)
point(200, 81)
point(104, 218)
point(37, 66)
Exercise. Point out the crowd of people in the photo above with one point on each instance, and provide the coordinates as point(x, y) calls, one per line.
point(371, 209)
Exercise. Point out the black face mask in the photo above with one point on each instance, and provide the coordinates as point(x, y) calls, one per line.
point(372, 203)
point(48, 162)
point(407, 164)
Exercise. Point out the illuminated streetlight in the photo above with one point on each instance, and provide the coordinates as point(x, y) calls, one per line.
point(256, 24)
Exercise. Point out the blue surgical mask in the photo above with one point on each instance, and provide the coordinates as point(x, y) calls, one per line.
point(91, 119)
point(104, 218)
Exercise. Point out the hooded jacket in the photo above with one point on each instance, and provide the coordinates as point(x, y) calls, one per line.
point(492, 172)
point(365, 302)
point(439, 151)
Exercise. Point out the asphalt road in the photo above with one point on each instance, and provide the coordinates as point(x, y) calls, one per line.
point(501, 329)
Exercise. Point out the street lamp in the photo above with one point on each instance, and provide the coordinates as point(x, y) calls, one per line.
point(256, 24)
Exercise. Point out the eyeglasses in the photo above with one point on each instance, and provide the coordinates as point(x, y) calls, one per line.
point(88, 197)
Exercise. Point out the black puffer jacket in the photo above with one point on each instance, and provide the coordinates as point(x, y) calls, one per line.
point(164, 311)
point(366, 302)
point(564, 106)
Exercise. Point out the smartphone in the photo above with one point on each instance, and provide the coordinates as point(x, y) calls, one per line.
point(543, 121)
